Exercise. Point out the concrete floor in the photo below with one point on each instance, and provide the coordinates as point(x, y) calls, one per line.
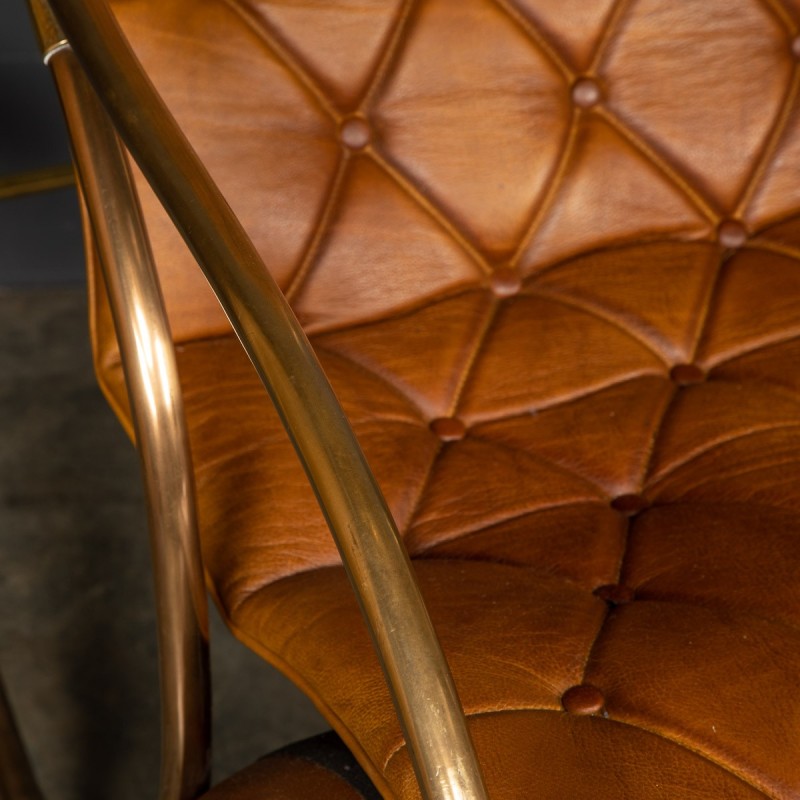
point(77, 631)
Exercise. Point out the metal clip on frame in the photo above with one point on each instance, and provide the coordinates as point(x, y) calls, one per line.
point(374, 557)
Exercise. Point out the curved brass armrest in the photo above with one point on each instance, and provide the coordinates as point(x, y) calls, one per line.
point(151, 376)
point(362, 526)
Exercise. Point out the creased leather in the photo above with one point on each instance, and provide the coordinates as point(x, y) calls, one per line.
point(575, 227)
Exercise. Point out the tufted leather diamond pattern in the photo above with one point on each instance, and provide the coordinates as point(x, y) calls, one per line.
point(548, 255)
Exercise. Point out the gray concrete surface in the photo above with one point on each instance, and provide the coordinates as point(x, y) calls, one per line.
point(77, 629)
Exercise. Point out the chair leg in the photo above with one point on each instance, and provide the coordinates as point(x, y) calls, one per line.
point(17, 781)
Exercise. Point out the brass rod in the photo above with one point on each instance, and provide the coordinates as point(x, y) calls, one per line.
point(151, 378)
point(39, 180)
point(17, 781)
point(373, 555)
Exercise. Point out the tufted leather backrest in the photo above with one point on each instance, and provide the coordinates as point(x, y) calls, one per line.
point(387, 154)
point(547, 251)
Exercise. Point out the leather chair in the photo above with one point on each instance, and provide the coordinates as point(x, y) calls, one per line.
point(547, 254)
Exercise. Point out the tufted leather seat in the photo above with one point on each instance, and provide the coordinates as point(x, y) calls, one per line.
point(548, 255)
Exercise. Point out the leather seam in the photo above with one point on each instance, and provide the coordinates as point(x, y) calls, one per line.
point(420, 498)
point(734, 474)
point(409, 187)
point(565, 399)
point(553, 186)
point(385, 380)
point(602, 314)
point(321, 229)
point(774, 247)
point(543, 461)
point(284, 53)
point(399, 312)
point(705, 314)
point(520, 415)
point(537, 37)
point(616, 246)
point(391, 47)
point(660, 162)
point(781, 14)
point(612, 24)
point(728, 769)
point(721, 611)
point(478, 345)
point(659, 477)
point(734, 355)
point(770, 144)
point(469, 533)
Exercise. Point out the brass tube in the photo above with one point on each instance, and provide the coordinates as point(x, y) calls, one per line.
point(40, 180)
point(162, 441)
point(151, 378)
point(373, 555)
point(17, 781)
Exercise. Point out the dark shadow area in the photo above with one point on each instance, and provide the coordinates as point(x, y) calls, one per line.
point(32, 134)
point(44, 227)
point(79, 651)
point(40, 239)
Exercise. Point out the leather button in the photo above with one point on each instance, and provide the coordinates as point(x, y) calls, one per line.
point(685, 374)
point(448, 429)
point(616, 594)
point(629, 503)
point(505, 282)
point(796, 47)
point(584, 699)
point(731, 233)
point(586, 93)
point(355, 133)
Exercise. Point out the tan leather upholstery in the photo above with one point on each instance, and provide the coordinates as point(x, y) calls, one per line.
point(549, 254)
point(283, 778)
point(320, 767)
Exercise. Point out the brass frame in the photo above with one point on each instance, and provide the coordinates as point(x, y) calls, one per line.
point(40, 180)
point(151, 377)
point(162, 442)
point(374, 557)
